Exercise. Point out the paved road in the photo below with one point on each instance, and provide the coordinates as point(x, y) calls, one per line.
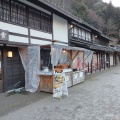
point(95, 99)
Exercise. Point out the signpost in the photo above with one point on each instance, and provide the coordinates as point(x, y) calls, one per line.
point(4, 35)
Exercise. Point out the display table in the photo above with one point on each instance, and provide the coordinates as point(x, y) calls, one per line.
point(52, 83)
point(74, 78)
point(69, 79)
point(78, 77)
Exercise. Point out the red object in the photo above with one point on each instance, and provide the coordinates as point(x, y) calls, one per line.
point(78, 63)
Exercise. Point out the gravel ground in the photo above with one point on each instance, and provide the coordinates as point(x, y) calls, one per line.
point(95, 99)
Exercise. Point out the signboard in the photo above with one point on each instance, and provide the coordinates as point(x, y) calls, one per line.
point(4, 35)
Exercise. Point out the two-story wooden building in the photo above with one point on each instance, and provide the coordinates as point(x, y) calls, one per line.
point(85, 36)
point(26, 23)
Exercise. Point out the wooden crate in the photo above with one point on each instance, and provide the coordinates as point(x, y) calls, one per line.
point(46, 83)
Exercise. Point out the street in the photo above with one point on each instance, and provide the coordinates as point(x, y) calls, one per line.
point(97, 98)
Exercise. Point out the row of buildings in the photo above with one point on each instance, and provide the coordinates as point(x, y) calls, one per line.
point(25, 23)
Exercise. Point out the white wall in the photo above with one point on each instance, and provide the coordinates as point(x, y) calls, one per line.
point(24, 31)
point(111, 59)
point(40, 42)
point(18, 39)
point(56, 43)
point(13, 28)
point(40, 34)
point(60, 29)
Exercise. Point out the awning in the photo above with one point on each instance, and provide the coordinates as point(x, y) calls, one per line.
point(69, 47)
point(116, 50)
point(102, 48)
point(57, 49)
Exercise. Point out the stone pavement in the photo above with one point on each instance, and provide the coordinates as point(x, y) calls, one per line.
point(96, 99)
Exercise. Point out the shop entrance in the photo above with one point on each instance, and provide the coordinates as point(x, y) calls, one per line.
point(1, 78)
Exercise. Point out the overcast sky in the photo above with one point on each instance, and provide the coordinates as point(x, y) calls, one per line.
point(114, 2)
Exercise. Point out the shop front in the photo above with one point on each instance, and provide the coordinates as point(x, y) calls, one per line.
point(61, 64)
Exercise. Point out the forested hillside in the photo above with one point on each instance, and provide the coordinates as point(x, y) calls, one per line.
point(101, 15)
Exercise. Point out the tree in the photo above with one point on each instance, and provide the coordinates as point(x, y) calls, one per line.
point(95, 20)
point(80, 9)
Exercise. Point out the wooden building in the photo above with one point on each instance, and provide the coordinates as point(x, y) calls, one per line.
point(36, 22)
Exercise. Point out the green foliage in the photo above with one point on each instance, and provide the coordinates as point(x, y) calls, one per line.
point(101, 15)
point(80, 9)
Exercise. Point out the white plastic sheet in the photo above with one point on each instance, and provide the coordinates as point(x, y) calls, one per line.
point(64, 58)
point(30, 57)
point(79, 58)
point(56, 51)
point(55, 54)
point(88, 56)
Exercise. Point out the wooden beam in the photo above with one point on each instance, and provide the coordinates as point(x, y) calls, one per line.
point(75, 55)
point(70, 58)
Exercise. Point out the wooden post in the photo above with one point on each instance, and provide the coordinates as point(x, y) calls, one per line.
point(91, 67)
point(75, 55)
point(109, 60)
point(88, 67)
point(113, 60)
point(100, 59)
point(71, 66)
point(83, 59)
point(97, 60)
point(70, 58)
point(104, 60)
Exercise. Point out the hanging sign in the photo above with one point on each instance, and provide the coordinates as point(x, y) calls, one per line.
point(4, 35)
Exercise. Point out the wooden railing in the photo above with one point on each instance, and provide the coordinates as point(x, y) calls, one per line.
point(83, 39)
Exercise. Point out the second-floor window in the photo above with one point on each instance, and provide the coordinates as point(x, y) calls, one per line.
point(24, 15)
point(80, 33)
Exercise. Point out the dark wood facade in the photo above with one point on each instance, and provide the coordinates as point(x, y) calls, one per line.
point(13, 74)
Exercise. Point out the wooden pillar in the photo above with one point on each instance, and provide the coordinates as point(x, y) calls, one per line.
point(91, 67)
point(97, 60)
point(109, 60)
point(70, 58)
point(104, 60)
point(83, 59)
point(71, 65)
point(88, 67)
point(113, 60)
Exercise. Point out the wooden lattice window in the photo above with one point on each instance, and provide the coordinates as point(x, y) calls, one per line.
point(19, 13)
point(5, 10)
